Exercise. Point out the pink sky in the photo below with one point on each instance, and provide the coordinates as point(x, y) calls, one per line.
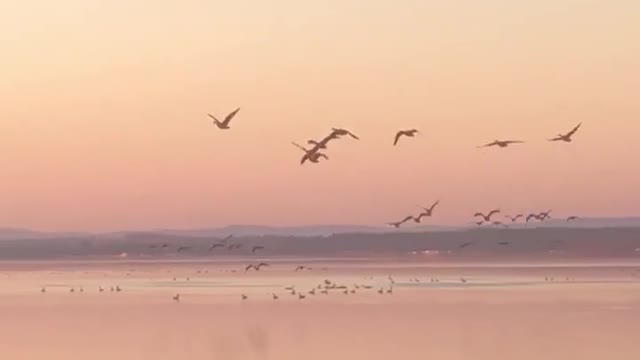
point(103, 115)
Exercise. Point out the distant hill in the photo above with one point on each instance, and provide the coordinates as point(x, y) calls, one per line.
point(481, 243)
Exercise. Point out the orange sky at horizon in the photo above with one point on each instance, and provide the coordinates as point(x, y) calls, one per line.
point(103, 120)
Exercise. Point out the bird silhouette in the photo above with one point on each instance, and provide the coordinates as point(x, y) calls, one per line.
point(275, 297)
point(503, 243)
point(301, 296)
point(224, 124)
point(249, 267)
point(407, 133)
point(244, 297)
point(183, 248)
point(313, 156)
point(398, 223)
point(545, 215)
point(487, 218)
point(467, 244)
point(502, 143)
point(532, 216)
point(427, 212)
point(261, 265)
point(514, 218)
point(301, 267)
point(256, 248)
point(176, 298)
point(322, 144)
point(572, 218)
point(568, 136)
point(216, 245)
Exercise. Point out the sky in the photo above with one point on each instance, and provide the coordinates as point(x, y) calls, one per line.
point(103, 120)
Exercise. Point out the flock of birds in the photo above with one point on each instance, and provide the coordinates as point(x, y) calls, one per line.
point(314, 153)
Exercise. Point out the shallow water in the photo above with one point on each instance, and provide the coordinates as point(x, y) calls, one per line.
point(501, 312)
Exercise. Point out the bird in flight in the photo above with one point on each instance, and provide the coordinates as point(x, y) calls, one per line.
point(301, 267)
point(183, 248)
point(322, 144)
point(514, 218)
point(407, 133)
point(467, 244)
point(397, 224)
point(262, 264)
point(427, 212)
point(503, 243)
point(502, 143)
point(544, 215)
point(234, 246)
point(487, 218)
point(216, 245)
point(256, 248)
point(224, 124)
point(499, 223)
point(532, 216)
point(572, 218)
point(249, 267)
point(566, 137)
point(343, 132)
point(176, 298)
point(310, 155)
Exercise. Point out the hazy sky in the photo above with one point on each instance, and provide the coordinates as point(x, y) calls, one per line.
point(103, 110)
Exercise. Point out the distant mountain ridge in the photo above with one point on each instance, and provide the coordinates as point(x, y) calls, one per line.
point(311, 230)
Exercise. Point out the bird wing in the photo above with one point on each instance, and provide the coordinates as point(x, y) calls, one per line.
point(398, 135)
point(353, 135)
point(570, 133)
point(410, 217)
point(299, 146)
point(518, 216)
point(493, 212)
point(479, 214)
point(230, 116)
point(513, 142)
point(213, 117)
point(490, 144)
point(304, 159)
point(434, 205)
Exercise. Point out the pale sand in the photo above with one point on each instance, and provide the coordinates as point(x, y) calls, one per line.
point(501, 313)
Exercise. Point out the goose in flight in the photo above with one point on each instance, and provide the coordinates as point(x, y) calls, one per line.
point(532, 216)
point(544, 215)
point(224, 124)
point(256, 248)
point(249, 267)
point(310, 155)
point(502, 143)
point(322, 144)
point(176, 298)
point(343, 132)
point(407, 133)
point(427, 211)
point(514, 218)
point(566, 137)
point(572, 218)
point(216, 245)
point(487, 218)
point(397, 224)
point(301, 267)
point(244, 297)
point(261, 265)
point(275, 297)
point(183, 248)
